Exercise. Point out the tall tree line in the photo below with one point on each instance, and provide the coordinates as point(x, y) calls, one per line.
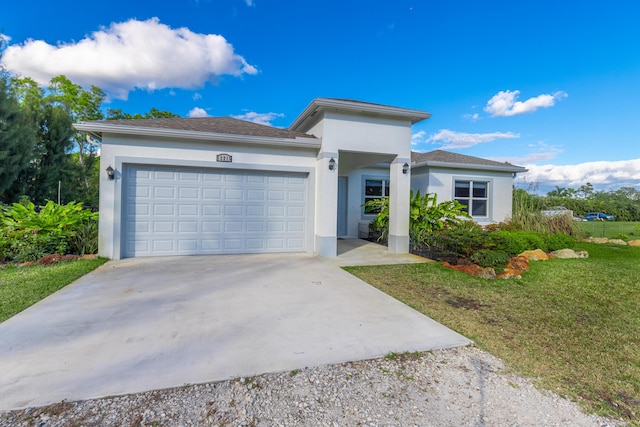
point(623, 203)
point(42, 157)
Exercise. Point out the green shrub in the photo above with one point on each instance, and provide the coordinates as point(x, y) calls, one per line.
point(621, 236)
point(22, 247)
point(426, 215)
point(558, 241)
point(491, 258)
point(86, 239)
point(515, 242)
point(28, 234)
point(469, 235)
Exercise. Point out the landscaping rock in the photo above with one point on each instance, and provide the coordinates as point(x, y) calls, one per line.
point(514, 269)
point(633, 243)
point(569, 254)
point(473, 270)
point(510, 273)
point(535, 255)
point(602, 240)
point(49, 259)
point(519, 263)
point(599, 240)
point(617, 242)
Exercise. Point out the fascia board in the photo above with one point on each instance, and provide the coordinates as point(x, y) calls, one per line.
point(96, 129)
point(505, 168)
point(323, 103)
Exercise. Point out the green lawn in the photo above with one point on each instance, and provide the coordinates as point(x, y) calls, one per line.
point(611, 229)
point(21, 287)
point(571, 325)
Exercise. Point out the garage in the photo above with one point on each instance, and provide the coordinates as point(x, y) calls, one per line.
point(188, 211)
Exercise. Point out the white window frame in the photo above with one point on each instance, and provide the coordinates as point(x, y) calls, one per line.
point(471, 197)
point(365, 198)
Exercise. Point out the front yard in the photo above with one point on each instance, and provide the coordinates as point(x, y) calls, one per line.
point(21, 287)
point(571, 325)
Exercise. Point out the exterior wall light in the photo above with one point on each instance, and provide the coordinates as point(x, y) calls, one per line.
point(332, 164)
point(405, 168)
point(111, 174)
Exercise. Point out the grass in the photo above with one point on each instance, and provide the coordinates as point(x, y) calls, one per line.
point(611, 229)
point(571, 325)
point(21, 287)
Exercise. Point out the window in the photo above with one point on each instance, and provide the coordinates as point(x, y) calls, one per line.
point(375, 189)
point(474, 195)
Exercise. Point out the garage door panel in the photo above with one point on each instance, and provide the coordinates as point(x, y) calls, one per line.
point(161, 192)
point(173, 211)
point(190, 209)
point(163, 227)
point(164, 175)
point(188, 193)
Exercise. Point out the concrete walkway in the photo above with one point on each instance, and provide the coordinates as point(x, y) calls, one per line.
point(150, 323)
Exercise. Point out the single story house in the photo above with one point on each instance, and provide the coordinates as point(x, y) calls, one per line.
point(218, 185)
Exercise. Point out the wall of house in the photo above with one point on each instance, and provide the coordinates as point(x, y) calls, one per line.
point(366, 134)
point(441, 182)
point(356, 217)
point(118, 151)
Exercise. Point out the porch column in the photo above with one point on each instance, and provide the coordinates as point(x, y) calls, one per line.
point(400, 187)
point(326, 228)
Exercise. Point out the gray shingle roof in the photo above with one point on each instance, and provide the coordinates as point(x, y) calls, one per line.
point(455, 158)
point(224, 125)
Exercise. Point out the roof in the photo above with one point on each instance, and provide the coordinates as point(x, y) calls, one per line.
point(226, 125)
point(350, 105)
point(461, 161)
point(207, 128)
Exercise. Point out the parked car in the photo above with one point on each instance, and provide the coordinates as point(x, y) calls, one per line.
point(598, 216)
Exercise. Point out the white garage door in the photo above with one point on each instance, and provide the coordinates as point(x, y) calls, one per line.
point(183, 211)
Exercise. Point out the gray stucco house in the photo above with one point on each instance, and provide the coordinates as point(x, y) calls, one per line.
point(218, 185)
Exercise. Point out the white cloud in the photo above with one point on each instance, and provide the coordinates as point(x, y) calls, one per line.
point(131, 55)
point(504, 103)
point(259, 118)
point(603, 174)
point(457, 140)
point(473, 117)
point(196, 96)
point(197, 112)
point(249, 3)
point(543, 153)
point(418, 137)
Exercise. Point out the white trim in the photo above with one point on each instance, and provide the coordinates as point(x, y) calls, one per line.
point(414, 116)
point(121, 162)
point(102, 128)
point(500, 168)
point(490, 198)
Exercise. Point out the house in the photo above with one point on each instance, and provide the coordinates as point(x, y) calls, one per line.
point(219, 185)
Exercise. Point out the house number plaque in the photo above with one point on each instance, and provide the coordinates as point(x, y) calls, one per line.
point(223, 158)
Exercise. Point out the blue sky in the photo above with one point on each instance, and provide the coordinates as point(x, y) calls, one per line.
point(550, 85)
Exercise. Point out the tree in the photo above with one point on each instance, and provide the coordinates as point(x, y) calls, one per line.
point(154, 113)
point(82, 105)
point(51, 164)
point(17, 138)
point(585, 191)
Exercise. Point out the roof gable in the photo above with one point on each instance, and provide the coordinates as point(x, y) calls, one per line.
point(320, 105)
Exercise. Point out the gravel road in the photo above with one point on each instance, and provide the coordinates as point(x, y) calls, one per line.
point(456, 387)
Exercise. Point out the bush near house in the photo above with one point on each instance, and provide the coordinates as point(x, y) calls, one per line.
point(446, 224)
point(28, 234)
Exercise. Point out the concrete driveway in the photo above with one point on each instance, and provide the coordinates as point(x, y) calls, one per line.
point(150, 323)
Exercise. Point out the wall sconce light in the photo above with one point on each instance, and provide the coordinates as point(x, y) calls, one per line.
point(405, 168)
point(332, 164)
point(111, 174)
